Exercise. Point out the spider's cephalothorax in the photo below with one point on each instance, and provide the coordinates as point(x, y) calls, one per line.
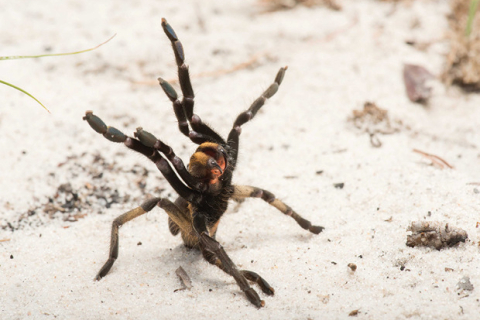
point(206, 186)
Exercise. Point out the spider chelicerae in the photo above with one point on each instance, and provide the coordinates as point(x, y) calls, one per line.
point(205, 186)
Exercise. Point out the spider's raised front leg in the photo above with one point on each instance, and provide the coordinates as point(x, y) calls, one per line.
point(151, 141)
point(147, 148)
point(242, 192)
point(233, 137)
point(175, 214)
point(184, 110)
point(214, 253)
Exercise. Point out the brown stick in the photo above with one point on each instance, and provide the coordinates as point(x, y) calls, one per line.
point(435, 159)
point(182, 274)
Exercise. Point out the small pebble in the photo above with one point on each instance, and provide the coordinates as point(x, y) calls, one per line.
point(339, 185)
point(465, 284)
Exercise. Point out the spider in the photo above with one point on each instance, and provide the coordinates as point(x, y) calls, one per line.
point(205, 186)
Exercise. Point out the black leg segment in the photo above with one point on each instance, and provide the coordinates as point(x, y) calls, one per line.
point(147, 148)
point(117, 223)
point(187, 103)
point(214, 253)
point(233, 137)
point(242, 192)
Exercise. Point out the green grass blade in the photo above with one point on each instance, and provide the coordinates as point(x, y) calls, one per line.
point(471, 16)
point(45, 55)
point(28, 94)
point(55, 54)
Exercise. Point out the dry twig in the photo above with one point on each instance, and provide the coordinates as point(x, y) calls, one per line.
point(436, 160)
point(276, 5)
point(186, 281)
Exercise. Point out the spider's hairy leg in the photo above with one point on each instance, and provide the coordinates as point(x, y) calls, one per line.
point(177, 106)
point(119, 221)
point(242, 192)
point(210, 247)
point(115, 135)
point(254, 277)
point(149, 140)
point(200, 131)
point(183, 206)
point(233, 137)
point(249, 275)
point(175, 214)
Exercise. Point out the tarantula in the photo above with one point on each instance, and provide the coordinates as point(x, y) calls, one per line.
point(205, 186)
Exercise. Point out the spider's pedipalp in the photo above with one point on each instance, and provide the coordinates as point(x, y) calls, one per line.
point(165, 168)
point(148, 145)
point(95, 122)
point(99, 126)
point(233, 140)
point(151, 141)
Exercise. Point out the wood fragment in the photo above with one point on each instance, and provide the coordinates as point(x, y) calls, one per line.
point(4, 240)
point(414, 78)
point(434, 234)
point(436, 160)
point(277, 5)
point(354, 313)
point(184, 278)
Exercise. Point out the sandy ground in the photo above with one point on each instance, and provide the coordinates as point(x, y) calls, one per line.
point(299, 145)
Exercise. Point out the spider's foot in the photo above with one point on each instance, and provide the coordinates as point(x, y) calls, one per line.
point(169, 30)
point(168, 89)
point(99, 126)
point(252, 295)
point(266, 288)
point(316, 229)
point(262, 283)
point(106, 267)
point(176, 44)
point(305, 224)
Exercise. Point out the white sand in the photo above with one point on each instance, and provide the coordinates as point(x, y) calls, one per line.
point(337, 61)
